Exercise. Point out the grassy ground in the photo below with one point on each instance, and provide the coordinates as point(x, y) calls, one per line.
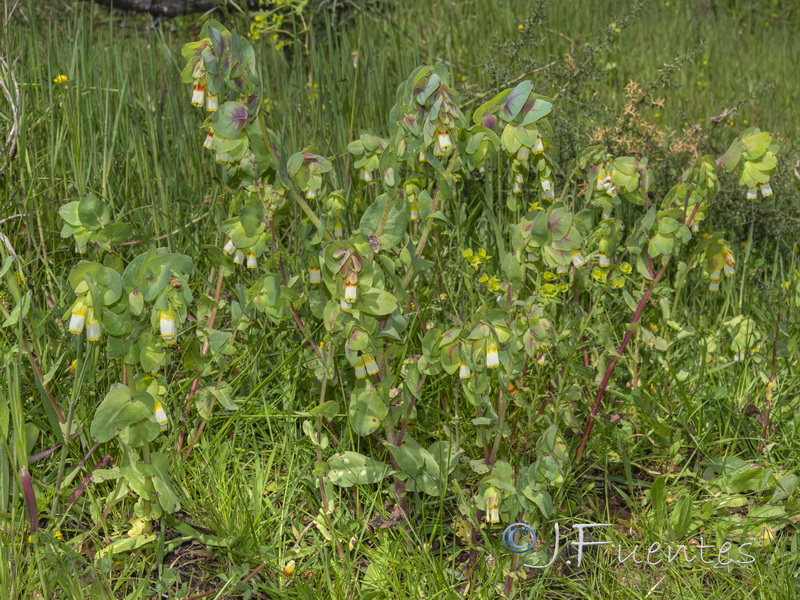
point(121, 127)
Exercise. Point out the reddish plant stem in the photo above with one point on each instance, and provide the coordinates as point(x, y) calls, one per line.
point(203, 351)
point(613, 364)
point(501, 418)
point(88, 479)
point(298, 321)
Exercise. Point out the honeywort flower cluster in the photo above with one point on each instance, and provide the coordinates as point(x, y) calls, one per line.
point(753, 154)
point(223, 63)
point(367, 150)
point(719, 260)
point(427, 113)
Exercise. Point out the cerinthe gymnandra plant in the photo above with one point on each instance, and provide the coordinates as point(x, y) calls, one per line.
point(366, 272)
point(397, 309)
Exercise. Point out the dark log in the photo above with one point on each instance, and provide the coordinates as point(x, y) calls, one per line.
point(171, 8)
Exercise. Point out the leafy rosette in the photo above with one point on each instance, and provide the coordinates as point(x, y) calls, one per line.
point(88, 221)
point(553, 234)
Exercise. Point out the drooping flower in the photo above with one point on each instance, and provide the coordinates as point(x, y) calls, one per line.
point(209, 142)
point(365, 175)
point(715, 276)
point(752, 193)
point(604, 261)
point(92, 327)
point(311, 193)
point(229, 247)
point(539, 146)
point(370, 365)
point(78, 318)
point(338, 229)
point(252, 262)
point(766, 190)
point(361, 371)
point(577, 259)
point(314, 275)
point(524, 153)
point(444, 140)
point(492, 356)
point(464, 372)
point(728, 269)
point(345, 305)
point(160, 415)
point(198, 93)
point(224, 157)
point(166, 322)
point(351, 287)
point(80, 249)
point(238, 257)
point(547, 189)
point(212, 103)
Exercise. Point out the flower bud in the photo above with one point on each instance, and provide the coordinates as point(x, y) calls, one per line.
point(492, 498)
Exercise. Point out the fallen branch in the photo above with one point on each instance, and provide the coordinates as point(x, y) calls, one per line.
point(173, 8)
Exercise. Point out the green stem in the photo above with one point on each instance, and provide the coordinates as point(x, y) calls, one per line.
point(429, 223)
point(148, 481)
point(298, 197)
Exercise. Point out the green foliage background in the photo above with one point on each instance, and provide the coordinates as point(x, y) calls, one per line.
point(121, 128)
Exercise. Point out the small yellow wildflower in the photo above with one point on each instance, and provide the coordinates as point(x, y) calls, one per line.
point(61, 79)
point(744, 122)
point(654, 327)
point(475, 258)
point(598, 274)
point(626, 268)
point(785, 285)
point(563, 288)
point(73, 366)
point(289, 568)
point(549, 290)
point(617, 283)
point(657, 115)
point(521, 27)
